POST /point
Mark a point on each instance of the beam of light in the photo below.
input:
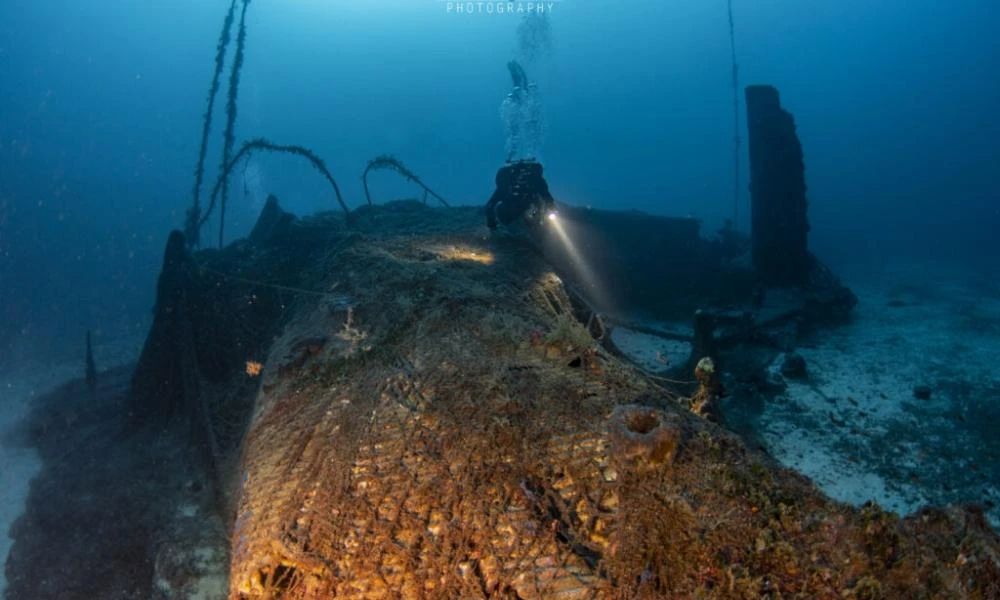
(581, 269)
(466, 254)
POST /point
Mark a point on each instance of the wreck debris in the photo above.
(703, 340)
(777, 190)
(457, 458)
(644, 436)
(793, 366)
(387, 161)
(705, 400)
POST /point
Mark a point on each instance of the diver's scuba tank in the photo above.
(522, 196)
(524, 187)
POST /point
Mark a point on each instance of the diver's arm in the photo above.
(542, 187)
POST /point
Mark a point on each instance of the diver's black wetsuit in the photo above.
(519, 186)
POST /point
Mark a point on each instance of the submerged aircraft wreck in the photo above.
(395, 404)
(446, 414)
(390, 402)
(441, 416)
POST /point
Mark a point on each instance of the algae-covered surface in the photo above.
(446, 421)
(404, 405)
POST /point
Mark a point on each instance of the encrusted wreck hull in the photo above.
(443, 421)
(444, 436)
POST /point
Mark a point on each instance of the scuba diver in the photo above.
(521, 189)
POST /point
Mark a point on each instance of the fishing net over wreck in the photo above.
(405, 407)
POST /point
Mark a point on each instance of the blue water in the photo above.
(897, 104)
(101, 105)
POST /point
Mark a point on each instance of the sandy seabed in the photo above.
(17, 464)
(854, 423)
(20, 386)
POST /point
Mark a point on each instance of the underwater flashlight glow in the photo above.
(567, 237)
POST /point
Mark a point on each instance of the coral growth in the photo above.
(192, 223)
(386, 161)
(644, 437)
(260, 144)
(705, 400)
(453, 459)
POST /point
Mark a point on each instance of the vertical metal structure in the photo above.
(736, 119)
